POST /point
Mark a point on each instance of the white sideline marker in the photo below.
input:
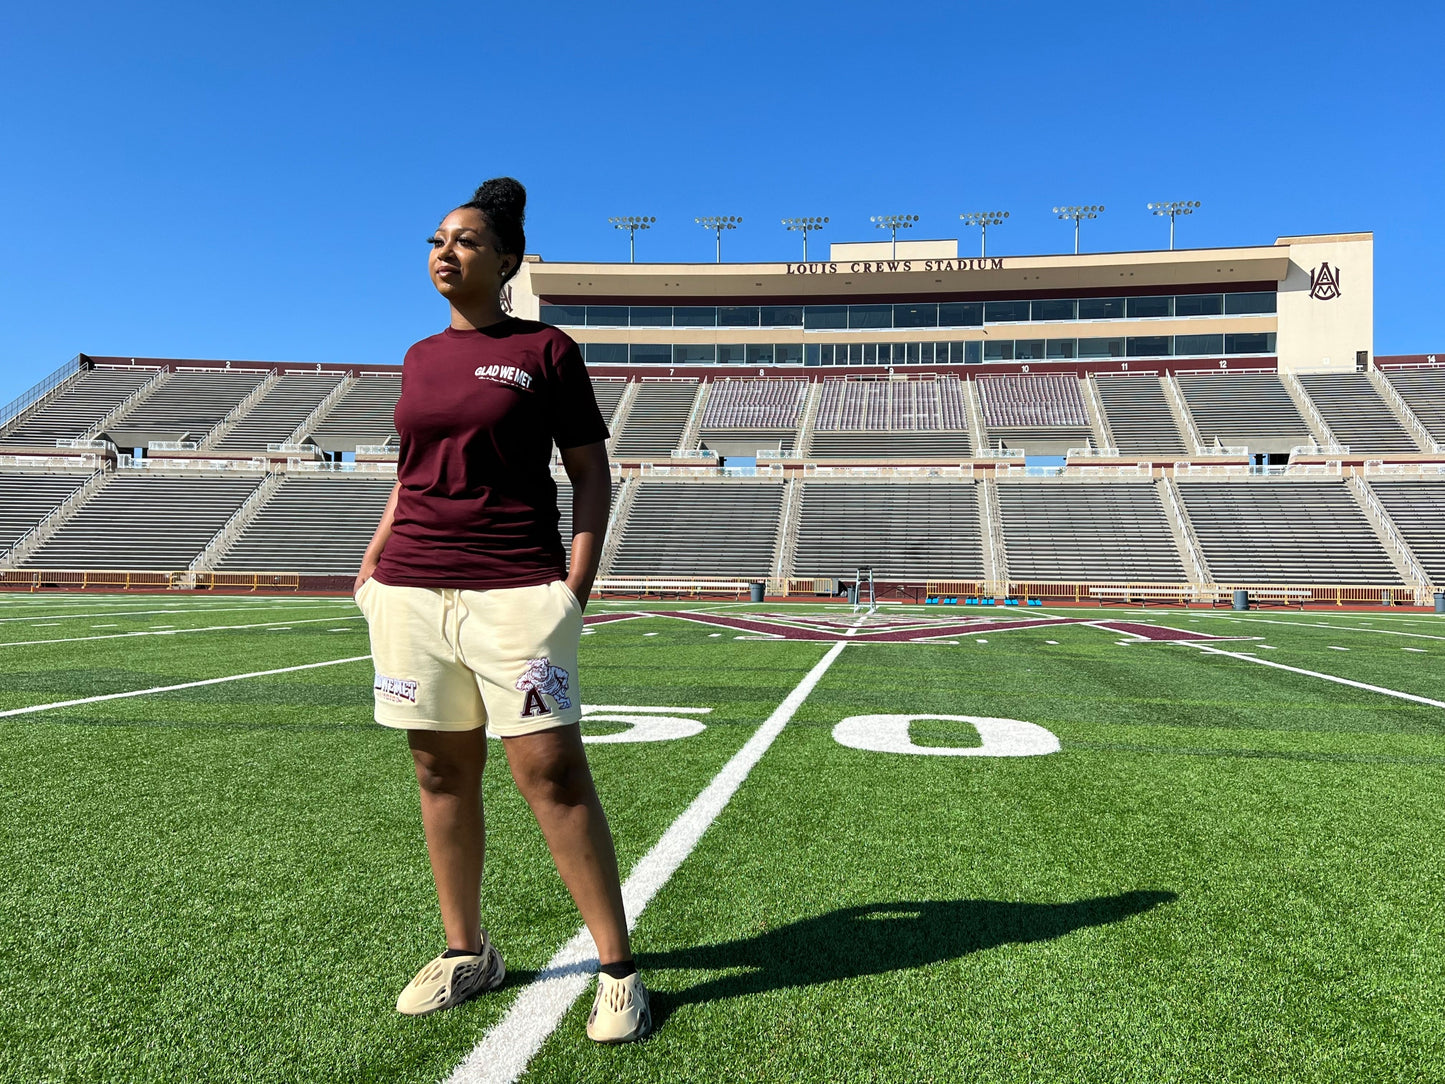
(504, 1052)
(168, 632)
(182, 685)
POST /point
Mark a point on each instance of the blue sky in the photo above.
(256, 181)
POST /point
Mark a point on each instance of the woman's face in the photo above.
(465, 264)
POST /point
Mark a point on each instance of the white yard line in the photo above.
(182, 685)
(504, 1052)
(177, 610)
(1316, 674)
(1318, 625)
(173, 631)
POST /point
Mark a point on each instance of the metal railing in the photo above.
(237, 412)
(124, 406)
(312, 466)
(53, 520)
(1184, 528)
(33, 395)
(1403, 411)
(1182, 416)
(224, 538)
(1380, 517)
(312, 420)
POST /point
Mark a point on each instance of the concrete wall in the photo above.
(1327, 302)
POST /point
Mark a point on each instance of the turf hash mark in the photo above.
(502, 1056)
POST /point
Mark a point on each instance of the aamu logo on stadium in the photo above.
(1325, 283)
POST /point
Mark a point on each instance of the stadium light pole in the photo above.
(1078, 214)
(983, 220)
(632, 223)
(1172, 209)
(805, 226)
(718, 223)
(893, 223)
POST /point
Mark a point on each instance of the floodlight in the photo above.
(632, 223)
(805, 226)
(1078, 214)
(1174, 208)
(983, 220)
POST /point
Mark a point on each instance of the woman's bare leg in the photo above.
(449, 769)
(551, 771)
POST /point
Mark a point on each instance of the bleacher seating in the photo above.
(76, 407)
(709, 529)
(609, 394)
(138, 521)
(1355, 413)
(1284, 532)
(280, 411)
(1251, 410)
(657, 419)
(26, 499)
(1417, 509)
(1139, 417)
(1424, 393)
(362, 416)
(186, 406)
(314, 525)
(1058, 531)
(902, 530)
(743, 416)
(881, 418)
(1045, 413)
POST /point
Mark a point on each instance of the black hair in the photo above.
(504, 201)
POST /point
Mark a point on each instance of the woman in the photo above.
(475, 619)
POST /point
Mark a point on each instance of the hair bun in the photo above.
(503, 196)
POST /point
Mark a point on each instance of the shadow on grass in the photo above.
(881, 937)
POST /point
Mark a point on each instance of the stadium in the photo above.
(1001, 669)
(1151, 427)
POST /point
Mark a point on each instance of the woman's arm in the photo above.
(378, 540)
(591, 477)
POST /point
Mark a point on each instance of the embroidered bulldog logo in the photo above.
(1325, 283)
(540, 678)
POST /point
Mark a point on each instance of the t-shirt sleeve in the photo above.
(576, 419)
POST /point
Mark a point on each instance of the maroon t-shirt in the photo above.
(478, 414)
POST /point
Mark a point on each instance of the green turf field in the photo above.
(1228, 871)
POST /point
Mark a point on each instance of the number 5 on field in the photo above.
(998, 737)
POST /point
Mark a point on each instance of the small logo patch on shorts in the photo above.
(395, 690)
(542, 677)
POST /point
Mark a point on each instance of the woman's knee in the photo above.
(558, 780)
(448, 770)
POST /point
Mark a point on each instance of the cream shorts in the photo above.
(449, 659)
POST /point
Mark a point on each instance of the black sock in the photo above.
(619, 970)
(449, 953)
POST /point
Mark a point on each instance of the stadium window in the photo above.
(759, 353)
(825, 352)
(1059, 348)
(789, 354)
(1141, 308)
(812, 354)
(693, 353)
(782, 316)
(913, 352)
(972, 352)
(1198, 344)
(1150, 346)
(694, 316)
(1242, 304)
(998, 350)
(650, 354)
(605, 353)
(1028, 350)
(606, 315)
(822, 317)
(960, 314)
(1198, 304)
(1101, 348)
(737, 316)
(915, 315)
(870, 316)
(563, 315)
(651, 316)
(1054, 310)
(1005, 312)
(732, 353)
(1249, 343)
(1101, 308)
